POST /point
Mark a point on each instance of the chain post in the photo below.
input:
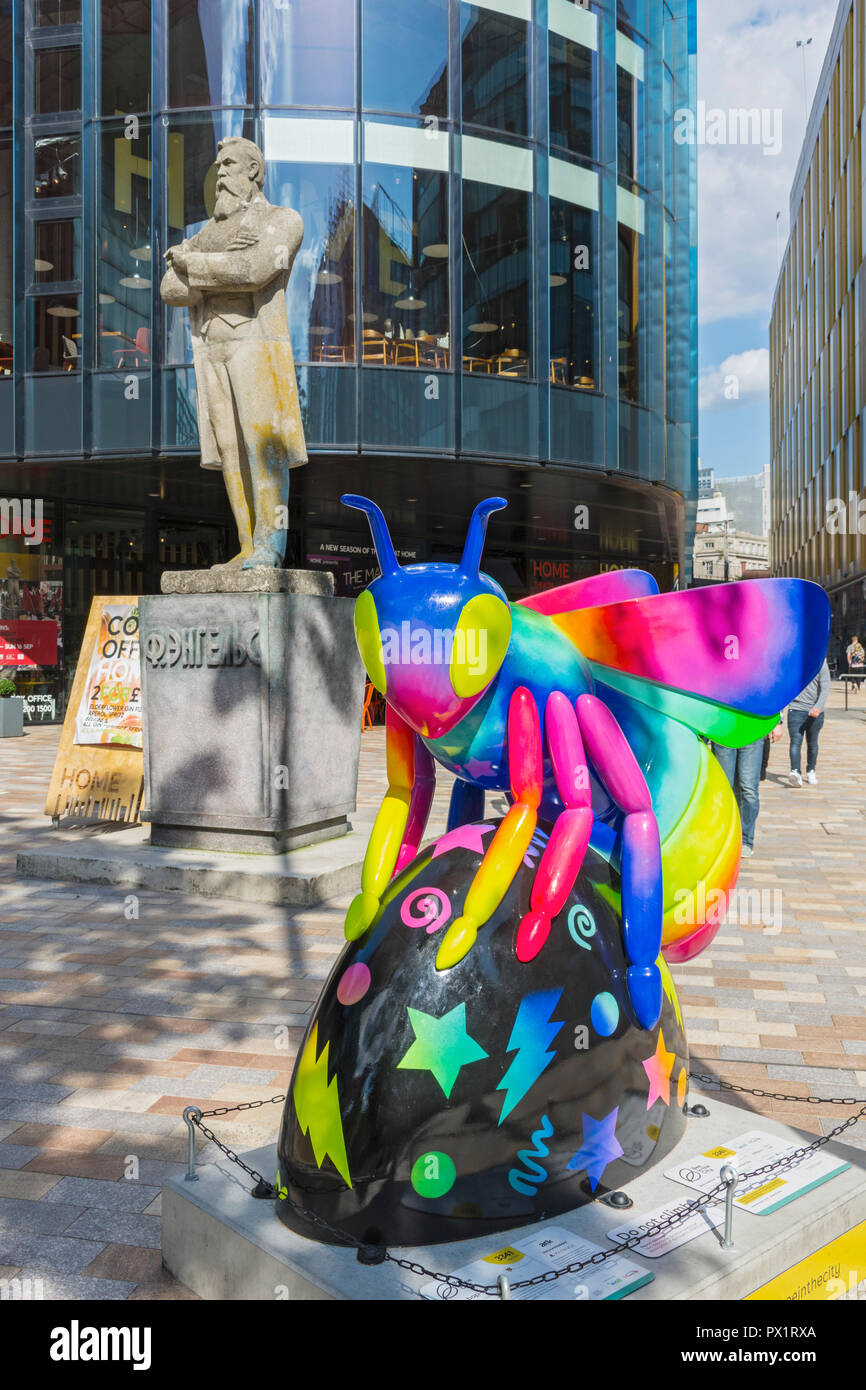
(191, 1116)
(503, 1286)
(730, 1177)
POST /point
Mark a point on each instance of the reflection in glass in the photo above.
(405, 268)
(5, 62)
(632, 14)
(58, 250)
(573, 296)
(54, 332)
(125, 40)
(52, 12)
(210, 53)
(573, 96)
(630, 127)
(631, 364)
(308, 52)
(497, 323)
(495, 58)
(57, 79)
(404, 53)
(124, 271)
(190, 195)
(6, 289)
(321, 291)
(57, 166)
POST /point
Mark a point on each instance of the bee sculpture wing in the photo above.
(749, 646)
(720, 662)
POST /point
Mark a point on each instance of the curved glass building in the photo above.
(496, 291)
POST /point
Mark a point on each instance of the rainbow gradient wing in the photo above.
(749, 646)
(718, 662)
(598, 589)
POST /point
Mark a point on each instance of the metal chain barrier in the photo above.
(503, 1288)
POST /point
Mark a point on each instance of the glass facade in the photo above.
(499, 258)
(817, 330)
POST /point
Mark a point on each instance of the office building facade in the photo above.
(817, 342)
(496, 291)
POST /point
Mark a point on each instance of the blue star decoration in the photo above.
(442, 1046)
(599, 1148)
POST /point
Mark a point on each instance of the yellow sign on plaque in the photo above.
(103, 777)
(834, 1270)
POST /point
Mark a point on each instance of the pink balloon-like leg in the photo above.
(566, 849)
(641, 865)
(423, 788)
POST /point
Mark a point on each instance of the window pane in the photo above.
(631, 124)
(495, 55)
(321, 295)
(404, 51)
(573, 295)
(58, 250)
(405, 267)
(573, 95)
(497, 323)
(125, 240)
(632, 358)
(6, 291)
(125, 56)
(50, 12)
(210, 53)
(58, 79)
(5, 62)
(191, 175)
(55, 333)
(57, 166)
(308, 52)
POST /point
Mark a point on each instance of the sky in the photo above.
(747, 58)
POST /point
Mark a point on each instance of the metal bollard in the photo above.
(504, 1286)
(730, 1177)
(191, 1175)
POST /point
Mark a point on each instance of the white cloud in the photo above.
(747, 58)
(744, 376)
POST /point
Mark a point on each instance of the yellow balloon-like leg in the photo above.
(389, 829)
(490, 884)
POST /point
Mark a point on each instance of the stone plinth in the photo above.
(260, 580)
(253, 706)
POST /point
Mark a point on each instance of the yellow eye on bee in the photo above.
(369, 639)
(480, 642)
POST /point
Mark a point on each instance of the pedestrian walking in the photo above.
(744, 769)
(856, 655)
(806, 717)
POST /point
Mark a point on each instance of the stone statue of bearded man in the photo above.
(232, 276)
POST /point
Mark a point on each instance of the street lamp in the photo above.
(803, 44)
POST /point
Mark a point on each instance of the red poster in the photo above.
(28, 642)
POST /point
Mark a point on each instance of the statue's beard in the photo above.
(232, 199)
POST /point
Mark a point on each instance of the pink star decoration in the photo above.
(658, 1068)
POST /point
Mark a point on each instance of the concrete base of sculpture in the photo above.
(225, 1244)
(253, 692)
(126, 859)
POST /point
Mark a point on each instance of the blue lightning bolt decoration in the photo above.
(531, 1036)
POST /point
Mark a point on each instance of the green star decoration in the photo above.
(442, 1046)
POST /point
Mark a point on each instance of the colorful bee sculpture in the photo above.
(587, 705)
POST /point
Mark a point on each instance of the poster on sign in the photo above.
(109, 711)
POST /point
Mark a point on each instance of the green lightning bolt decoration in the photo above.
(317, 1106)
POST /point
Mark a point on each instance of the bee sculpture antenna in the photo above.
(471, 560)
(379, 528)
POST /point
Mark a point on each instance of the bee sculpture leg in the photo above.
(641, 861)
(399, 818)
(466, 805)
(511, 841)
(423, 789)
(561, 861)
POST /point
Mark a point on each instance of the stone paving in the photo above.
(116, 1011)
